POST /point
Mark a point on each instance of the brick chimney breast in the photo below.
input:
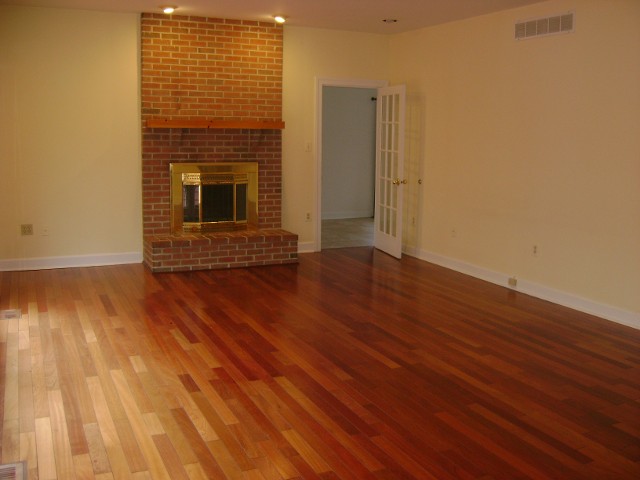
(194, 69)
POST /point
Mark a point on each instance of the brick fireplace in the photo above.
(212, 92)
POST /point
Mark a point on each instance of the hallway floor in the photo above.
(348, 232)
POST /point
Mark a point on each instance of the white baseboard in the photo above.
(615, 314)
(47, 263)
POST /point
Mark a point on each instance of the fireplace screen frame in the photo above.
(219, 173)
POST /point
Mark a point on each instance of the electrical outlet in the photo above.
(26, 229)
(44, 232)
(535, 251)
(307, 217)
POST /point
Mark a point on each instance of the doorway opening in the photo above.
(346, 162)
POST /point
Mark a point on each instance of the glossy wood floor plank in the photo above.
(349, 365)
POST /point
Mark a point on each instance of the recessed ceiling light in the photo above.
(168, 10)
(279, 18)
(390, 20)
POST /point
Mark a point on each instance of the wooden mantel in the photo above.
(215, 124)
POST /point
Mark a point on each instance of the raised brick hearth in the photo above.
(196, 68)
(196, 251)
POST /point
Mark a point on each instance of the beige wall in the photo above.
(310, 54)
(533, 142)
(69, 134)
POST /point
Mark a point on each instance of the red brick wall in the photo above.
(194, 67)
(210, 69)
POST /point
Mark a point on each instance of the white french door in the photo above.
(390, 113)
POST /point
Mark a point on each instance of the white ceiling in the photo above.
(355, 15)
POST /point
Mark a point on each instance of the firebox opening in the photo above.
(213, 196)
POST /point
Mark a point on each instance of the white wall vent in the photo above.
(543, 26)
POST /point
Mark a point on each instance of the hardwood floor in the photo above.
(350, 365)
